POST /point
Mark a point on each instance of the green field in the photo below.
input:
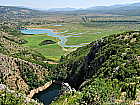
(94, 32)
(52, 51)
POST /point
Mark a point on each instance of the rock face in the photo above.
(89, 66)
(10, 73)
(21, 68)
(13, 72)
(2, 87)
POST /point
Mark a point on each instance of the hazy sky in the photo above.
(45, 4)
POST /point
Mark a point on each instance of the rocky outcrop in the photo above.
(89, 64)
(13, 72)
(10, 74)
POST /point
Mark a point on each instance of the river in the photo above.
(50, 32)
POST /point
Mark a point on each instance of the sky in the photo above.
(45, 4)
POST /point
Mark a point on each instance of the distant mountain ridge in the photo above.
(61, 9)
(23, 12)
(125, 9)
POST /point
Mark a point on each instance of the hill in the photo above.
(18, 12)
(102, 71)
(107, 71)
(21, 68)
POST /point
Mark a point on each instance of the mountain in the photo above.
(21, 68)
(106, 7)
(61, 9)
(98, 73)
(23, 12)
(18, 12)
(126, 9)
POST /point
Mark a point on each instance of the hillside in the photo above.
(11, 12)
(21, 68)
(103, 71)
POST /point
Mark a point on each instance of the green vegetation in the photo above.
(94, 28)
(106, 71)
(10, 99)
(94, 31)
(103, 70)
(51, 51)
(14, 98)
(46, 42)
(27, 67)
(100, 91)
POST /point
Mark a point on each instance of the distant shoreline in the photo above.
(28, 27)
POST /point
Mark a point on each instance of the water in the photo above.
(51, 32)
(58, 25)
(38, 31)
(47, 96)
